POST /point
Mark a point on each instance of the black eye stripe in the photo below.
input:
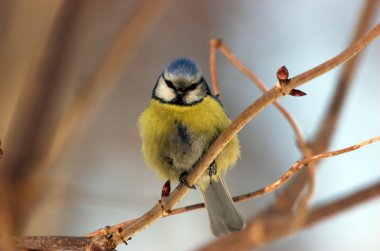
(195, 85)
(190, 88)
(169, 83)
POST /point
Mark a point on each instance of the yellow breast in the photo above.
(206, 118)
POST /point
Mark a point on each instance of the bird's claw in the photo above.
(212, 170)
(183, 180)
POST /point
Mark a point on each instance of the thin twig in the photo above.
(260, 230)
(292, 192)
(328, 125)
(219, 44)
(341, 58)
(237, 241)
(330, 121)
(285, 177)
(214, 76)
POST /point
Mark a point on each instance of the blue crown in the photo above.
(182, 67)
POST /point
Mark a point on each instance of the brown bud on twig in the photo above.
(297, 93)
(283, 78)
(283, 74)
(166, 189)
(165, 192)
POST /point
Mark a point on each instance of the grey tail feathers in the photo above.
(223, 215)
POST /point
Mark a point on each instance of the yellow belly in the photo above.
(204, 121)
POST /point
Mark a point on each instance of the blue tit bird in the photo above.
(182, 120)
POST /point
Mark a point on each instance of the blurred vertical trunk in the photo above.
(30, 125)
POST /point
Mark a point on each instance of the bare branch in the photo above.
(54, 243)
(214, 76)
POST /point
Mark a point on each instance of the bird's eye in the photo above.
(192, 87)
(169, 84)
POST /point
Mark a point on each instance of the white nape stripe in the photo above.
(187, 78)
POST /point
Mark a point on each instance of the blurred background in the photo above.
(75, 75)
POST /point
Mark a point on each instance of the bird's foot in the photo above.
(183, 180)
(212, 169)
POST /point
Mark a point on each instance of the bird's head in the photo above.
(181, 83)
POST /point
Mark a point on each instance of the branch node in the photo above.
(165, 212)
(119, 234)
(109, 236)
(283, 79)
(216, 42)
(281, 88)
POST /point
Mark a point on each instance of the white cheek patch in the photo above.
(194, 95)
(164, 92)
